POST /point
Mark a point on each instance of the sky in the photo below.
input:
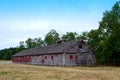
(21, 19)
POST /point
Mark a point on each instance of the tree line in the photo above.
(105, 40)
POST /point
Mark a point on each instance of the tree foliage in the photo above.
(51, 37)
(36, 42)
(110, 30)
(6, 54)
(106, 40)
(69, 36)
(83, 36)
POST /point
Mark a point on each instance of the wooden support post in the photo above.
(64, 59)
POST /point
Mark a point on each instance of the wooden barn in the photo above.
(71, 53)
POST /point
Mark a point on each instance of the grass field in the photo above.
(33, 72)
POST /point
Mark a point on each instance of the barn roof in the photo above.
(68, 47)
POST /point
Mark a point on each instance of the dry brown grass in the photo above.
(33, 72)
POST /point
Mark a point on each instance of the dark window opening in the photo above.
(52, 57)
(80, 46)
(45, 57)
(42, 61)
(71, 57)
(71, 47)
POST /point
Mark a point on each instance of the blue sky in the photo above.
(21, 19)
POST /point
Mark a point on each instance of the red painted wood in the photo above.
(42, 61)
(71, 57)
(52, 57)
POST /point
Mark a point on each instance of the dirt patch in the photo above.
(5, 62)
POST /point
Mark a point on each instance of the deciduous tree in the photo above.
(51, 37)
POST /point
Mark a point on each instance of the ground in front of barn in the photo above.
(10, 71)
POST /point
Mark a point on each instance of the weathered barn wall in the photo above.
(54, 59)
(70, 60)
(50, 59)
(85, 59)
(58, 59)
(22, 59)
